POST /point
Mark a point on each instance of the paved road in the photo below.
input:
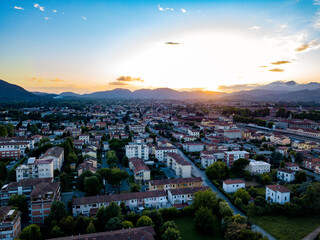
(198, 173)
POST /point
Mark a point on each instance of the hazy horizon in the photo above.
(88, 46)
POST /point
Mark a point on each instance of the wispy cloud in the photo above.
(83, 17)
(237, 87)
(36, 5)
(47, 18)
(56, 80)
(35, 79)
(316, 2)
(55, 11)
(314, 44)
(173, 43)
(115, 83)
(255, 28)
(129, 79)
(164, 9)
(263, 66)
(280, 62)
(276, 70)
(19, 8)
(183, 10)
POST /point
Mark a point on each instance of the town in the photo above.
(159, 169)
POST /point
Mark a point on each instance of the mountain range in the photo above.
(275, 91)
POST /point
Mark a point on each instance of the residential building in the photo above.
(286, 174)
(231, 156)
(85, 138)
(10, 223)
(258, 167)
(137, 150)
(88, 165)
(280, 139)
(136, 128)
(180, 166)
(174, 183)
(140, 169)
(41, 199)
(57, 154)
(232, 134)
(292, 166)
(155, 199)
(207, 161)
(138, 233)
(183, 195)
(35, 168)
(24, 186)
(277, 194)
(311, 163)
(194, 133)
(161, 153)
(231, 186)
(10, 150)
(193, 147)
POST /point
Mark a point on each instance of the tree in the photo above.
(171, 234)
(3, 131)
(117, 176)
(80, 180)
(112, 158)
(92, 185)
(225, 210)
(169, 224)
(266, 179)
(204, 220)
(127, 224)
(19, 201)
(72, 158)
(90, 228)
(135, 187)
(31, 232)
(156, 218)
(298, 157)
(276, 158)
(57, 212)
(12, 176)
(144, 221)
(10, 129)
(3, 171)
(282, 164)
(113, 224)
(55, 232)
(243, 195)
(113, 210)
(239, 166)
(80, 226)
(301, 176)
(217, 171)
(67, 225)
(205, 198)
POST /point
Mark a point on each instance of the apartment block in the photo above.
(181, 167)
(35, 168)
(10, 223)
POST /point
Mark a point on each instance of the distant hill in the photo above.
(12, 92)
(275, 91)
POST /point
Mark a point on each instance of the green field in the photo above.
(285, 228)
(188, 231)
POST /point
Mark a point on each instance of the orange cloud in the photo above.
(263, 66)
(117, 83)
(309, 45)
(129, 79)
(280, 62)
(173, 43)
(276, 70)
(56, 80)
(35, 79)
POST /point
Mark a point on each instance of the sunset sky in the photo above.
(85, 46)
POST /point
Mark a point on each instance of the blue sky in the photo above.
(85, 46)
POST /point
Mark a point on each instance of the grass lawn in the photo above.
(285, 228)
(189, 232)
